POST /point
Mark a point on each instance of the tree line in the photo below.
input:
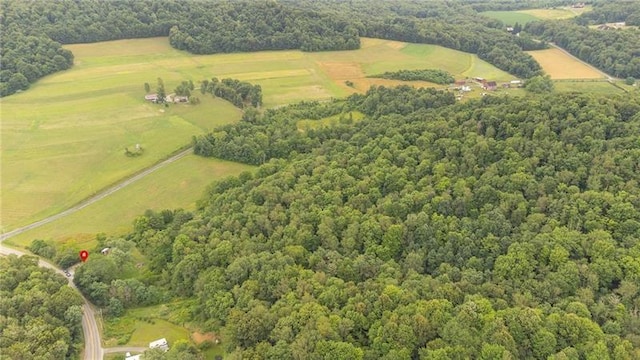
(495, 228)
(432, 75)
(227, 26)
(240, 93)
(40, 315)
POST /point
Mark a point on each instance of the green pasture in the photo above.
(64, 138)
(177, 185)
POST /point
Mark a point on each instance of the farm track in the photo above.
(92, 344)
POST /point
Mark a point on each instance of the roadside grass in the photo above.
(307, 124)
(64, 139)
(177, 185)
(559, 65)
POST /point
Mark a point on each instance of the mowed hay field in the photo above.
(177, 185)
(562, 66)
(64, 139)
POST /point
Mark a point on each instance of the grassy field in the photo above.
(64, 139)
(561, 66)
(525, 16)
(178, 185)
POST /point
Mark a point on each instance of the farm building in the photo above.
(491, 85)
(151, 97)
(159, 344)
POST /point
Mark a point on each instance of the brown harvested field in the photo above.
(561, 66)
(352, 71)
(342, 70)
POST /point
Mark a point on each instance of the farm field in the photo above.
(177, 185)
(510, 17)
(561, 66)
(525, 16)
(64, 139)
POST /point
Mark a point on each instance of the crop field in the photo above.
(562, 66)
(64, 139)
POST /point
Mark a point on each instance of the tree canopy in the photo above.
(40, 315)
(496, 228)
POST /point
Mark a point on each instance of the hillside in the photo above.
(500, 228)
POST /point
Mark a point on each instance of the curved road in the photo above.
(92, 345)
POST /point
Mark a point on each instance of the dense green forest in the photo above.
(497, 228)
(229, 26)
(100, 279)
(612, 11)
(433, 75)
(40, 315)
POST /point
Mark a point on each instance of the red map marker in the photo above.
(84, 255)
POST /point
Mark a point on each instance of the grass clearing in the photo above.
(526, 16)
(140, 326)
(562, 66)
(353, 116)
(64, 139)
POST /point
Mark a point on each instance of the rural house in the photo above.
(491, 85)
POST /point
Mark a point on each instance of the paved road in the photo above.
(609, 77)
(92, 345)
